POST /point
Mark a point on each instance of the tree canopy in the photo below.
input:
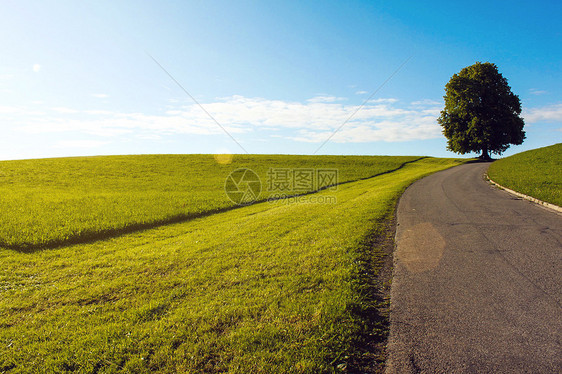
(481, 113)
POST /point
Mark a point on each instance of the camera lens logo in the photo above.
(242, 186)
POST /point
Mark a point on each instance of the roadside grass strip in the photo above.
(275, 287)
(536, 173)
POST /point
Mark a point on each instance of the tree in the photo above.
(481, 113)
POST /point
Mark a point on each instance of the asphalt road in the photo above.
(477, 280)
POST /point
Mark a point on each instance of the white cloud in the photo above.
(100, 95)
(80, 143)
(109, 124)
(388, 100)
(536, 92)
(550, 113)
(309, 121)
(98, 112)
(432, 112)
(36, 68)
(426, 102)
(64, 110)
(10, 109)
(383, 131)
(325, 99)
(361, 92)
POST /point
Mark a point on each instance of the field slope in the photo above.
(275, 287)
(50, 202)
(537, 173)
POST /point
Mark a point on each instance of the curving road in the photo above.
(477, 280)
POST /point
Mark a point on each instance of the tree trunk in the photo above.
(485, 155)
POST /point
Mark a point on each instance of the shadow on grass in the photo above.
(94, 236)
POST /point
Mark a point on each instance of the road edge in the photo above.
(541, 203)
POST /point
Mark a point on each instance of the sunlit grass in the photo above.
(268, 288)
(536, 173)
(48, 202)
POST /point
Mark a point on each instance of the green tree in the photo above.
(481, 113)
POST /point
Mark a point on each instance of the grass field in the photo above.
(49, 202)
(276, 287)
(535, 173)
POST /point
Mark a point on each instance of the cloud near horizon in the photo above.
(310, 121)
(549, 113)
(313, 120)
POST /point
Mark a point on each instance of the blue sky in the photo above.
(77, 78)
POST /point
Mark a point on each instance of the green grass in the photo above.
(536, 173)
(48, 202)
(268, 288)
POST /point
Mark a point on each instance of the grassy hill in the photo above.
(48, 202)
(278, 287)
(535, 173)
